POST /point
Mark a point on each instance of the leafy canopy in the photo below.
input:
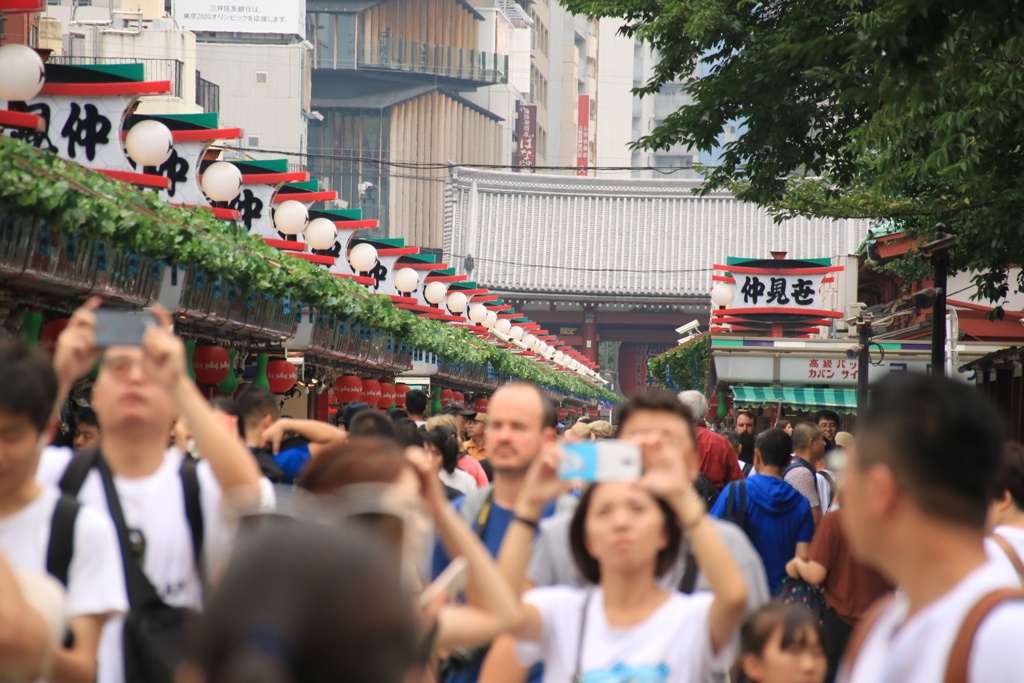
(904, 109)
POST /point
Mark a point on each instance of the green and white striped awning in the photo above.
(806, 398)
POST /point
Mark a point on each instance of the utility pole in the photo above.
(863, 359)
(938, 251)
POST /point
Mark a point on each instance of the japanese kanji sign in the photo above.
(583, 136)
(243, 16)
(527, 137)
(778, 291)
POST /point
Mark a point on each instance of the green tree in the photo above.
(904, 109)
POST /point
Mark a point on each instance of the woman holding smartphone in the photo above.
(624, 535)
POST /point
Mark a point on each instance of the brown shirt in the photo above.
(850, 586)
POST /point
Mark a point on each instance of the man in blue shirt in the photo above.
(266, 434)
(777, 517)
(522, 422)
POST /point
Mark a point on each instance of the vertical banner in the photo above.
(583, 136)
(527, 137)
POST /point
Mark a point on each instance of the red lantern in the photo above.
(387, 394)
(348, 388)
(459, 397)
(447, 396)
(561, 413)
(400, 391)
(371, 392)
(281, 376)
(48, 337)
(480, 405)
(213, 363)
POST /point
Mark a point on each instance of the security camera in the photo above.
(690, 326)
(852, 352)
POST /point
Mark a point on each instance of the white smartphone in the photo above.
(452, 582)
(608, 460)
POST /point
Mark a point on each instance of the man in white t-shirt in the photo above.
(915, 502)
(1006, 514)
(138, 394)
(92, 570)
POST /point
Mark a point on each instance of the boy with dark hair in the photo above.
(416, 406)
(828, 422)
(265, 432)
(776, 516)
(1006, 514)
(87, 429)
(916, 499)
(37, 526)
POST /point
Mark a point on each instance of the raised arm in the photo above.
(666, 476)
(492, 607)
(233, 466)
(321, 436)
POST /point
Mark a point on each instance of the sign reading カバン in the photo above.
(243, 16)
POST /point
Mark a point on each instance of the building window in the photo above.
(252, 140)
(262, 78)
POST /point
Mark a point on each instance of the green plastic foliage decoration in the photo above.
(190, 349)
(679, 364)
(230, 384)
(260, 380)
(31, 326)
(77, 200)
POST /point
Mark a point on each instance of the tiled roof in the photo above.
(619, 236)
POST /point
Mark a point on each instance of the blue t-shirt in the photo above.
(493, 534)
(292, 460)
(778, 517)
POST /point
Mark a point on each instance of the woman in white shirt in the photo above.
(623, 536)
(442, 445)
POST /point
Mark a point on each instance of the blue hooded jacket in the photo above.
(778, 517)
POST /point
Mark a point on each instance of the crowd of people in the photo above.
(182, 540)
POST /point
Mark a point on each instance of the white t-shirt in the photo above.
(95, 577)
(996, 554)
(916, 650)
(672, 646)
(155, 506)
(459, 480)
(824, 489)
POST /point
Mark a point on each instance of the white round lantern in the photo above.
(457, 302)
(560, 358)
(503, 326)
(290, 217)
(477, 313)
(407, 280)
(22, 73)
(149, 143)
(530, 341)
(517, 333)
(435, 292)
(222, 181)
(721, 294)
(490, 320)
(321, 233)
(363, 257)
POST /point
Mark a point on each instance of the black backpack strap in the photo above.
(78, 469)
(689, 580)
(193, 508)
(742, 514)
(62, 538)
(140, 589)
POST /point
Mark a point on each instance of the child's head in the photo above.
(26, 413)
(781, 643)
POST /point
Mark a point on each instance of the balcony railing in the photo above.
(155, 69)
(207, 94)
(436, 60)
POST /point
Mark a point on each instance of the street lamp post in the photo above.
(863, 360)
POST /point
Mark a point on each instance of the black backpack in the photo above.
(154, 632)
(706, 490)
(736, 504)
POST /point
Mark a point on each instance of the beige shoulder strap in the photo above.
(864, 626)
(1015, 560)
(960, 654)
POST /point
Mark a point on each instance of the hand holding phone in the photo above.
(122, 327)
(451, 582)
(609, 460)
